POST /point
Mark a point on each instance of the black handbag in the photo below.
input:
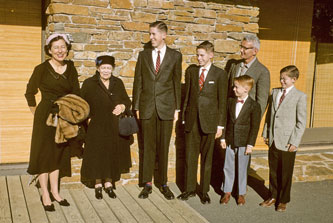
(127, 125)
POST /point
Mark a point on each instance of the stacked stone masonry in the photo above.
(120, 28)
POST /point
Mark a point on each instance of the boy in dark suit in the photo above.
(243, 121)
(283, 130)
(156, 100)
(204, 114)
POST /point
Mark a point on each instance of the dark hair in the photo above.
(160, 25)
(48, 46)
(206, 45)
(291, 71)
(245, 80)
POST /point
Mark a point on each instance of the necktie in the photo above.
(241, 101)
(158, 62)
(282, 97)
(243, 70)
(202, 79)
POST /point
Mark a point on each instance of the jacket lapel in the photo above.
(275, 93)
(252, 71)
(245, 108)
(233, 110)
(195, 78)
(149, 58)
(289, 96)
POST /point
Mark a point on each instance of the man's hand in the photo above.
(176, 116)
(292, 148)
(32, 109)
(218, 133)
(137, 114)
(223, 144)
(248, 150)
(266, 140)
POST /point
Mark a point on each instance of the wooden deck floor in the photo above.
(21, 203)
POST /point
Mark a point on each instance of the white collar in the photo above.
(162, 50)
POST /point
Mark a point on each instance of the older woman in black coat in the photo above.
(103, 157)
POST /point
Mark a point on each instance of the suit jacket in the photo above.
(261, 76)
(209, 103)
(161, 91)
(285, 124)
(243, 130)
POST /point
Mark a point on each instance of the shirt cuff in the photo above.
(250, 146)
(220, 127)
(222, 140)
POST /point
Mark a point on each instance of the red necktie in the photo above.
(202, 79)
(158, 62)
(282, 97)
(241, 101)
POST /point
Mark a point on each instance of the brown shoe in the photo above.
(225, 199)
(241, 200)
(268, 203)
(281, 207)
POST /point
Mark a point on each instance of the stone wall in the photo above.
(120, 28)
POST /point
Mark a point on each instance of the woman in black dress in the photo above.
(104, 156)
(55, 78)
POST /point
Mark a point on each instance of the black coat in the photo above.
(105, 155)
(209, 104)
(242, 131)
(45, 155)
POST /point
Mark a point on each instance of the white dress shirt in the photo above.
(239, 106)
(155, 54)
(206, 70)
(280, 94)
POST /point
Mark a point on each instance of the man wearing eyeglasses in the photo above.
(250, 65)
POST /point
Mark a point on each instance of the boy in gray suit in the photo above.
(284, 127)
(243, 120)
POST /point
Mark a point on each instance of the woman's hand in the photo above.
(119, 109)
(32, 109)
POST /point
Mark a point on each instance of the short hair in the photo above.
(160, 25)
(206, 45)
(245, 80)
(291, 71)
(253, 39)
(48, 46)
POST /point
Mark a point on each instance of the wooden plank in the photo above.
(119, 209)
(5, 212)
(134, 208)
(71, 212)
(86, 209)
(17, 200)
(162, 204)
(146, 204)
(185, 210)
(32, 197)
(101, 207)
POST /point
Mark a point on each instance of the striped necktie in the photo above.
(202, 79)
(158, 62)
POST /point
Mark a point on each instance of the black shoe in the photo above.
(63, 202)
(145, 192)
(110, 192)
(165, 190)
(204, 198)
(98, 193)
(47, 207)
(186, 195)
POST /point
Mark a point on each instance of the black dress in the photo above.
(106, 154)
(45, 155)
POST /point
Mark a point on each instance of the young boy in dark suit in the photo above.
(204, 114)
(283, 130)
(243, 121)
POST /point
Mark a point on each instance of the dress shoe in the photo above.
(204, 198)
(145, 192)
(63, 202)
(98, 193)
(47, 207)
(268, 203)
(225, 199)
(241, 200)
(165, 190)
(110, 192)
(281, 207)
(186, 195)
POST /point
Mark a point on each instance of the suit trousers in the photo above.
(281, 166)
(235, 159)
(156, 135)
(197, 143)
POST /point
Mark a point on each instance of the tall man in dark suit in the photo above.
(204, 114)
(156, 100)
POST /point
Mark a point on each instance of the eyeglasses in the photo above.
(245, 48)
